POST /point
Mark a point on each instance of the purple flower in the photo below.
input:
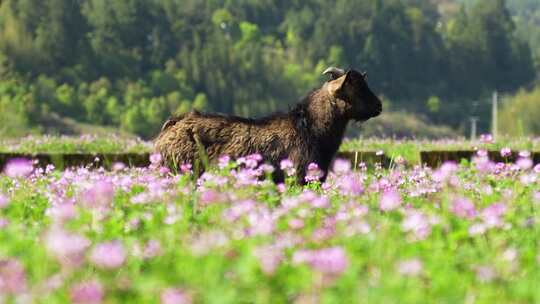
(390, 200)
(19, 167)
(506, 152)
(175, 296)
(108, 255)
(87, 293)
(12, 277)
(537, 168)
(412, 267)
(463, 208)
(328, 260)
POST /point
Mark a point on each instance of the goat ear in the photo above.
(334, 86)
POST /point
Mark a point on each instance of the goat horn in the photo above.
(334, 72)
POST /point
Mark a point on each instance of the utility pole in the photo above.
(494, 115)
(474, 120)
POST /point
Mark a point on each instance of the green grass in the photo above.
(69, 144)
(408, 149)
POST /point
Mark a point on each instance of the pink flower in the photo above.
(185, 168)
(313, 173)
(524, 163)
(486, 138)
(12, 277)
(483, 164)
(62, 212)
(223, 161)
(477, 229)
(209, 197)
(445, 171)
(417, 223)
(100, 195)
(68, 248)
(492, 214)
(485, 273)
(3, 223)
(482, 153)
(4, 201)
(108, 255)
(87, 293)
(390, 200)
(412, 267)
(287, 166)
(328, 260)
(296, 223)
(269, 257)
(463, 208)
(524, 154)
(320, 202)
(155, 158)
(537, 168)
(342, 166)
(350, 184)
(175, 296)
(19, 167)
(152, 249)
(506, 152)
(536, 196)
(118, 166)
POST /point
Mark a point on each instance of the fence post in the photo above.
(494, 115)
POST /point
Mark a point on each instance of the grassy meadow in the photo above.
(465, 233)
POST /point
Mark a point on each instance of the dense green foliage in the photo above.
(132, 63)
(519, 116)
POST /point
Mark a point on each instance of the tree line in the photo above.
(132, 63)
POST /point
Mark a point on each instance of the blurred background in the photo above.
(123, 67)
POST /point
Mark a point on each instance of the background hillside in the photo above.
(128, 65)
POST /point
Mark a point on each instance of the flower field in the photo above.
(467, 233)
